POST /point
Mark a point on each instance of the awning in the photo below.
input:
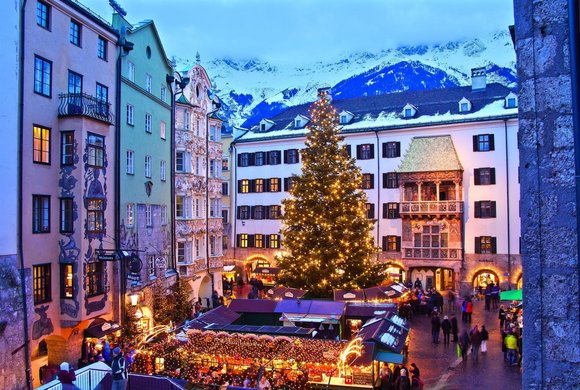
(266, 270)
(511, 295)
(100, 328)
(389, 357)
(317, 318)
(229, 268)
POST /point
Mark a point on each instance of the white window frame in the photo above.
(148, 123)
(130, 170)
(148, 215)
(163, 130)
(186, 120)
(130, 214)
(148, 82)
(163, 215)
(130, 115)
(148, 166)
(163, 93)
(163, 170)
(131, 71)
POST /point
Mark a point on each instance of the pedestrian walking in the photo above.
(511, 343)
(469, 310)
(446, 328)
(475, 337)
(403, 382)
(386, 378)
(464, 311)
(118, 366)
(484, 338)
(501, 316)
(464, 345)
(454, 328)
(435, 328)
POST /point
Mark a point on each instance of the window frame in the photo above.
(368, 181)
(78, 32)
(41, 144)
(94, 281)
(131, 71)
(225, 188)
(102, 49)
(42, 81)
(66, 215)
(40, 224)
(244, 240)
(42, 283)
(130, 113)
(67, 149)
(130, 162)
(148, 215)
(148, 125)
(244, 186)
(130, 214)
(67, 281)
(148, 82)
(163, 170)
(391, 149)
(365, 152)
(484, 142)
(163, 130)
(95, 215)
(98, 160)
(274, 185)
(391, 210)
(44, 21)
(148, 162)
(179, 153)
(391, 180)
(274, 241)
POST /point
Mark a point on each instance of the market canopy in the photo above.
(100, 328)
(220, 315)
(369, 310)
(348, 295)
(511, 295)
(265, 329)
(281, 292)
(310, 307)
(252, 305)
(389, 332)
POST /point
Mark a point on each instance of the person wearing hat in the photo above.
(403, 382)
(119, 369)
(66, 376)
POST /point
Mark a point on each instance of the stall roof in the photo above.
(253, 305)
(267, 270)
(376, 293)
(266, 329)
(281, 292)
(390, 332)
(369, 310)
(220, 315)
(349, 295)
(100, 328)
(368, 355)
(310, 307)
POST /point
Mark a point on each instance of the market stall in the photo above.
(266, 274)
(281, 292)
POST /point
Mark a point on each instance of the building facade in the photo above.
(68, 165)
(145, 162)
(198, 187)
(440, 170)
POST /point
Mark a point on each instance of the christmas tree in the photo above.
(326, 231)
(183, 305)
(162, 306)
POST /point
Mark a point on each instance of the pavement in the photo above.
(442, 370)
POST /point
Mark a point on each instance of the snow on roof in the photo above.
(429, 154)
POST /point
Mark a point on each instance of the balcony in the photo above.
(81, 104)
(450, 207)
(431, 253)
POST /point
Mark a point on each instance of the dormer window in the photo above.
(300, 121)
(345, 117)
(409, 111)
(464, 105)
(511, 100)
(263, 127)
(297, 123)
(266, 124)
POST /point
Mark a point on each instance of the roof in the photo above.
(220, 315)
(281, 292)
(298, 306)
(429, 154)
(388, 333)
(383, 112)
(148, 22)
(86, 11)
(253, 305)
(183, 100)
(267, 270)
(267, 329)
(369, 310)
(348, 295)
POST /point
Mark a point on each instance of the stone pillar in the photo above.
(419, 191)
(549, 233)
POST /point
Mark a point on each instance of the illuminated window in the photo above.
(259, 241)
(368, 181)
(41, 145)
(94, 279)
(485, 245)
(244, 186)
(259, 185)
(96, 150)
(391, 243)
(41, 283)
(275, 184)
(179, 206)
(274, 241)
(95, 215)
(391, 210)
(275, 212)
(130, 215)
(243, 240)
(66, 280)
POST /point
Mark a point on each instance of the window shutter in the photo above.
(398, 243)
(385, 210)
(397, 211)
(477, 209)
(286, 184)
(477, 245)
(475, 144)
(239, 159)
(494, 245)
(252, 210)
(476, 176)
(397, 179)
(384, 180)
(491, 142)
(266, 240)
(285, 157)
(372, 180)
(493, 209)
(253, 185)
(492, 175)
(266, 158)
(298, 153)
(251, 241)
(384, 149)
(358, 151)
(384, 243)
(265, 212)
(373, 151)
(398, 151)
(238, 240)
(372, 211)
(348, 150)
(279, 182)
(239, 212)
(239, 186)
(279, 153)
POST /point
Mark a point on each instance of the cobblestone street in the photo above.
(442, 370)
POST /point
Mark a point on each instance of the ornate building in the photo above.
(198, 187)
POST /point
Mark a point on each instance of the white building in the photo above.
(440, 169)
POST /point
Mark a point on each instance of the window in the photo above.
(274, 157)
(43, 14)
(66, 215)
(96, 150)
(274, 241)
(485, 209)
(365, 152)
(244, 159)
(42, 76)
(225, 216)
(163, 170)
(75, 33)
(368, 181)
(179, 203)
(66, 281)
(391, 210)
(102, 48)
(291, 156)
(181, 252)
(243, 240)
(408, 113)
(148, 166)
(212, 133)
(391, 243)
(370, 207)
(259, 241)
(94, 279)
(244, 186)
(130, 214)
(212, 168)
(162, 130)
(163, 93)
(486, 245)
(67, 147)
(288, 182)
(40, 214)
(260, 158)
(390, 180)
(148, 123)
(464, 107)
(41, 283)
(511, 102)
(243, 212)
(258, 212)
(197, 165)
(130, 71)
(163, 215)
(214, 207)
(151, 265)
(391, 149)
(75, 86)
(197, 213)
(259, 185)
(483, 143)
(130, 162)
(130, 120)
(197, 248)
(275, 184)
(41, 145)
(343, 119)
(225, 188)
(102, 95)
(212, 245)
(179, 161)
(225, 164)
(95, 215)
(148, 215)
(484, 176)
(148, 80)
(275, 212)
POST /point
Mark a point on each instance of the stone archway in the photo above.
(484, 277)
(204, 291)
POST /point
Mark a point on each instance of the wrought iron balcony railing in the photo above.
(81, 104)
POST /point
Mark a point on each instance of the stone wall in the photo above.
(548, 206)
(12, 364)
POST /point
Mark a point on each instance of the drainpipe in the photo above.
(379, 193)
(234, 190)
(122, 281)
(507, 183)
(20, 253)
(172, 260)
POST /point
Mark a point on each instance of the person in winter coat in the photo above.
(403, 382)
(454, 328)
(484, 338)
(464, 311)
(66, 375)
(435, 328)
(386, 378)
(464, 342)
(446, 327)
(469, 310)
(501, 316)
(119, 369)
(415, 370)
(475, 337)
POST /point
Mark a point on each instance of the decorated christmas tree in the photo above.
(327, 235)
(162, 306)
(183, 305)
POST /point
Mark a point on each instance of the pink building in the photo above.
(68, 176)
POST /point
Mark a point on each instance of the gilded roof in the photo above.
(430, 154)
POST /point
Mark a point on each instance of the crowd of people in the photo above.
(398, 377)
(511, 325)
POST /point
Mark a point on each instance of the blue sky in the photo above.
(285, 31)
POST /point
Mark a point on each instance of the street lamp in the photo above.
(216, 105)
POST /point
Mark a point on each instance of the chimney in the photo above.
(478, 79)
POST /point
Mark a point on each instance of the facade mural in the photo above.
(43, 326)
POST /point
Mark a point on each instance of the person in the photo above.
(464, 344)
(264, 383)
(475, 337)
(454, 328)
(435, 328)
(66, 376)
(446, 327)
(119, 370)
(386, 378)
(511, 343)
(403, 382)
(416, 383)
(451, 301)
(415, 370)
(464, 311)
(484, 338)
(469, 310)
(501, 316)
(418, 284)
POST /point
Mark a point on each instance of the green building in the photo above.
(145, 160)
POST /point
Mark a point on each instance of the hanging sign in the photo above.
(135, 266)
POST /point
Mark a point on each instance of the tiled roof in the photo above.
(428, 154)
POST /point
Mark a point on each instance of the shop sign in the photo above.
(135, 266)
(106, 326)
(288, 294)
(101, 256)
(265, 271)
(349, 296)
(486, 260)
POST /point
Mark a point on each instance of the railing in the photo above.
(432, 253)
(87, 378)
(196, 266)
(435, 207)
(148, 382)
(81, 104)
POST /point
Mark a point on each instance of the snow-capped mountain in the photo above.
(253, 89)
